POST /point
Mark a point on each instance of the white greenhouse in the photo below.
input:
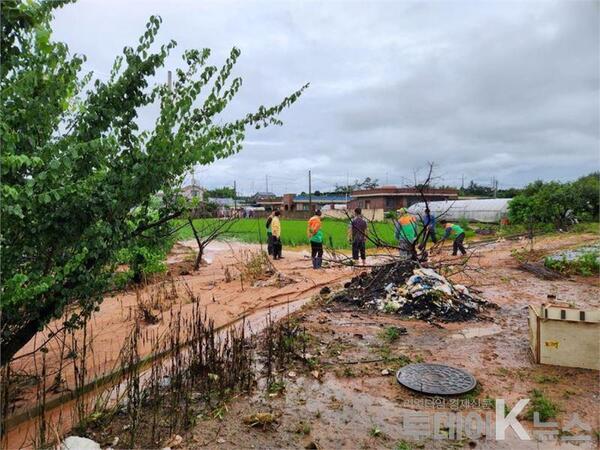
(490, 210)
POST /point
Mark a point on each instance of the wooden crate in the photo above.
(561, 335)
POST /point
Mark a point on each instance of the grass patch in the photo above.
(276, 387)
(348, 372)
(546, 379)
(390, 334)
(586, 227)
(302, 428)
(336, 348)
(541, 404)
(391, 359)
(472, 395)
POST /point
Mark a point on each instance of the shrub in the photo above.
(542, 405)
(558, 203)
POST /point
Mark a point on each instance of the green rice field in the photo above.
(293, 232)
(335, 231)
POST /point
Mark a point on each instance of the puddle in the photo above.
(469, 333)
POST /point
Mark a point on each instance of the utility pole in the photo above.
(309, 192)
(234, 195)
(170, 80)
(347, 185)
(462, 183)
(266, 183)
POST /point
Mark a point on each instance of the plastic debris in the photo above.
(401, 288)
(79, 443)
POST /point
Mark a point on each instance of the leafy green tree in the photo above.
(476, 190)
(223, 192)
(557, 203)
(587, 195)
(78, 174)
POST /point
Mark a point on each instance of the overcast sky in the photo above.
(483, 88)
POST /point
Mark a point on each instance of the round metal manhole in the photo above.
(436, 379)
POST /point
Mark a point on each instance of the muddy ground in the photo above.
(216, 287)
(348, 403)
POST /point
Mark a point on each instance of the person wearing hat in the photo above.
(315, 237)
(405, 233)
(429, 224)
(459, 236)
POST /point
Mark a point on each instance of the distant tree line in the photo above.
(367, 183)
(478, 190)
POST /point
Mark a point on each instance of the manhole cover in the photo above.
(435, 379)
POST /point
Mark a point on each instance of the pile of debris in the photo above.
(408, 290)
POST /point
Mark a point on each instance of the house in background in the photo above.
(292, 202)
(260, 196)
(192, 191)
(389, 198)
(266, 200)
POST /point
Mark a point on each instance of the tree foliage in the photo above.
(223, 192)
(78, 173)
(478, 190)
(557, 203)
(367, 183)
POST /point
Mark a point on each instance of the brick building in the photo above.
(391, 198)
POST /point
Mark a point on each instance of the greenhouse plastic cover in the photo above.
(477, 210)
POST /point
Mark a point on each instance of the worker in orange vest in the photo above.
(406, 232)
(315, 237)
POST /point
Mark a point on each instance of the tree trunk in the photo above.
(200, 245)
(199, 257)
(18, 341)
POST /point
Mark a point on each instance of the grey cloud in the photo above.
(482, 88)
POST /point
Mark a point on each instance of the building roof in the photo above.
(264, 194)
(386, 191)
(269, 201)
(328, 198)
(192, 188)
